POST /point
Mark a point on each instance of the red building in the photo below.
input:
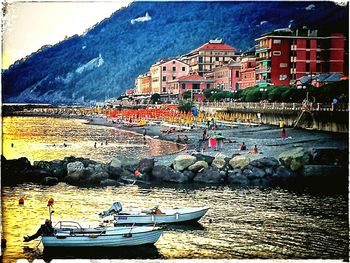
(193, 83)
(285, 55)
(248, 76)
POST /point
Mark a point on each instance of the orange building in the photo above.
(248, 77)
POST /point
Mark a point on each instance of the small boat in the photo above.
(71, 234)
(155, 215)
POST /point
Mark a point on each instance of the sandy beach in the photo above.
(267, 138)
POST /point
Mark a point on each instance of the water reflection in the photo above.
(40, 138)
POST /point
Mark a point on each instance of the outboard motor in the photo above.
(115, 209)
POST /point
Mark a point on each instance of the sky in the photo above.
(27, 26)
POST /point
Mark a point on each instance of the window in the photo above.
(216, 58)
(307, 67)
(174, 69)
(183, 69)
(277, 41)
(308, 43)
(195, 86)
(174, 77)
(164, 89)
(283, 77)
(173, 61)
(318, 55)
(164, 68)
(276, 53)
(283, 65)
(237, 73)
(307, 55)
(208, 86)
(183, 85)
(200, 59)
(164, 78)
(318, 67)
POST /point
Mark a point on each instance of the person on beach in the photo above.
(11, 145)
(44, 230)
(254, 150)
(186, 138)
(144, 133)
(64, 144)
(283, 134)
(178, 139)
(95, 145)
(243, 147)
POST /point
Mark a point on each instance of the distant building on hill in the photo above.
(164, 71)
(205, 58)
(285, 55)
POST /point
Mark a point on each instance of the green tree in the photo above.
(185, 105)
(155, 98)
(186, 95)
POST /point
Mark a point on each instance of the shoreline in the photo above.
(266, 137)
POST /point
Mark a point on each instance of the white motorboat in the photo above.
(71, 234)
(155, 215)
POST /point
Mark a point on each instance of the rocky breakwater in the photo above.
(246, 170)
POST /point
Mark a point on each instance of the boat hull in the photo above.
(113, 240)
(175, 217)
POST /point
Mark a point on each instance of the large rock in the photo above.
(237, 178)
(265, 162)
(115, 172)
(329, 156)
(294, 159)
(239, 161)
(282, 172)
(146, 165)
(58, 169)
(166, 174)
(74, 167)
(219, 163)
(116, 163)
(190, 175)
(201, 157)
(197, 166)
(49, 181)
(159, 171)
(181, 162)
(175, 177)
(35, 175)
(252, 172)
(210, 175)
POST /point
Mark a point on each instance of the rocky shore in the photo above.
(198, 168)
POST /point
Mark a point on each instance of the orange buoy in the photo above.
(50, 202)
(21, 201)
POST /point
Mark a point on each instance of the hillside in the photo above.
(105, 60)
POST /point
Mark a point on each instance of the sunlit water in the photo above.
(242, 223)
(39, 138)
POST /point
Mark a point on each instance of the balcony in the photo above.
(263, 70)
(264, 59)
(259, 49)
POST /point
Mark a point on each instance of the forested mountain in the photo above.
(105, 60)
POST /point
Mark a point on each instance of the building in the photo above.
(213, 54)
(164, 71)
(192, 83)
(285, 55)
(248, 73)
(227, 77)
(144, 84)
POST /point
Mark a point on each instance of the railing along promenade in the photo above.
(275, 106)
